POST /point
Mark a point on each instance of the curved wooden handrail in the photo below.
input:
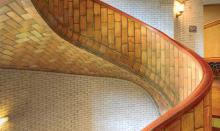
(176, 43)
(189, 102)
(195, 97)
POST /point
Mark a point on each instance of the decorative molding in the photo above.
(211, 24)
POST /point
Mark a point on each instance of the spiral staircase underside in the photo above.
(27, 42)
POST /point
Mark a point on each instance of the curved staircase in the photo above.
(181, 77)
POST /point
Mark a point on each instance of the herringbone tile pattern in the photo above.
(27, 42)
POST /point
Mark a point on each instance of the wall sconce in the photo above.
(179, 8)
(3, 120)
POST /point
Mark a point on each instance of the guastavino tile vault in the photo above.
(28, 43)
(84, 65)
(31, 44)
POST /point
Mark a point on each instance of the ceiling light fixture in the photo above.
(179, 8)
(3, 120)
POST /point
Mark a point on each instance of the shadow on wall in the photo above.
(52, 101)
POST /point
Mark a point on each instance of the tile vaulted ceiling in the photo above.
(26, 42)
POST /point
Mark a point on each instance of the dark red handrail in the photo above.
(196, 96)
